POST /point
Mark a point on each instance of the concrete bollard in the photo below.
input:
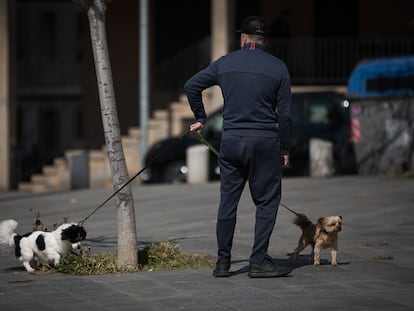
(198, 164)
(321, 158)
(79, 170)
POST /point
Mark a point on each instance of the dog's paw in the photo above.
(28, 267)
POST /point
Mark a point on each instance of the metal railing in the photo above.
(311, 61)
(172, 73)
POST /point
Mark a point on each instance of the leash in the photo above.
(205, 142)
(136, 175)
(289, 209)
(200, 138)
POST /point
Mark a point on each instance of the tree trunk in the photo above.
(127, 236)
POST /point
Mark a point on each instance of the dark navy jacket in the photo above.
(256, 91)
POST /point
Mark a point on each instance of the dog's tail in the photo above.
(7, 232)
(302, 221)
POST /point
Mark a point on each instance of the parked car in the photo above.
(322, 115)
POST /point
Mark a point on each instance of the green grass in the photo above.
(155, 257)
(407, 175)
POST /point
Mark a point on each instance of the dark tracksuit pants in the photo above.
(257, 160)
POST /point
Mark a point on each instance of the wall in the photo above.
(387, 135)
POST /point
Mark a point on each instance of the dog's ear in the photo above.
(317, 231)
(82, 233)
(64, 236)
(321, 222)
(74, 233)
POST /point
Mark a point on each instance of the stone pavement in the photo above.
(376, 250)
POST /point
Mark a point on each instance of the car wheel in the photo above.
(175, 172)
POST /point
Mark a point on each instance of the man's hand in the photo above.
(196, 126)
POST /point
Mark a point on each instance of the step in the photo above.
(52, 175)
(134, 132)
(129, 142)
(60, 163)
(74, 152)
(183, 99)
(37, 188)
(49, 170)
(99, 170)
(160, 114)
(157, 130)
(39, 183)
(179, 108)
(38, 178)
(24, 187)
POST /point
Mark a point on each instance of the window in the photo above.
(318, 114)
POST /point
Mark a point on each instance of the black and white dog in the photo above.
(42, 247)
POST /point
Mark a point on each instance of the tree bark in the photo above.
(127, 236)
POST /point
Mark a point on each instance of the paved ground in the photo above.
(376, 249)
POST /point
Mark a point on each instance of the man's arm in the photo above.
(194, 88)
(285, 115)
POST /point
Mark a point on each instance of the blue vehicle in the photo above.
(387, 76)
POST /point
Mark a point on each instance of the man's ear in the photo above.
(243, 39)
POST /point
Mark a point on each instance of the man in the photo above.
(255, 142)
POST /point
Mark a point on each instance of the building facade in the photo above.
(49, 100)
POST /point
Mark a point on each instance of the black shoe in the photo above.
(222, 268)
(268, 269)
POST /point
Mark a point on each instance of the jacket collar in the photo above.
(252, 45)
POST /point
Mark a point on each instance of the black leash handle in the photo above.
(135, 176)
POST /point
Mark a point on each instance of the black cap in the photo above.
(254, 25)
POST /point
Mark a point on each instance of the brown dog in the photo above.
(323, 234)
